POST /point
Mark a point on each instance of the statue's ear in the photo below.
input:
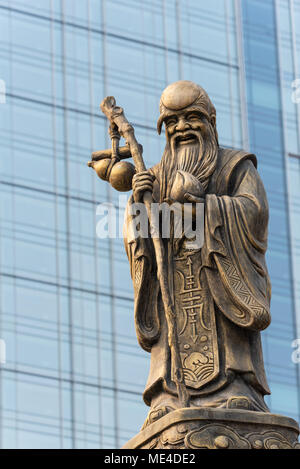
(159, 125)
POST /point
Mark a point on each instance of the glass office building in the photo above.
(74, 373)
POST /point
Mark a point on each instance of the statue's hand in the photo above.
(141, 183)
(170, 201)
(193, 198)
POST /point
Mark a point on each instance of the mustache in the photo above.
(186, 135)
(182, 134)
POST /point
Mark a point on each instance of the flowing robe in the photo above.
(221, 292)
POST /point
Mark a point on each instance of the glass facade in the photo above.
(74, 373)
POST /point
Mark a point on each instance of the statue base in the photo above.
(209, 428)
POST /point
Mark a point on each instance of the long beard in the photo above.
(198, 159)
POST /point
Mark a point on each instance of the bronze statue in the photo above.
(198, 311)
(222, 291)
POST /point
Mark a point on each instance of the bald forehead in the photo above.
(180, 95)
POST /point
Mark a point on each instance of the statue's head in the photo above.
(186, 111)
(192, 140)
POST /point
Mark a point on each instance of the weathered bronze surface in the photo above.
(199, 311)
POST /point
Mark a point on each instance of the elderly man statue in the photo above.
(221, 290)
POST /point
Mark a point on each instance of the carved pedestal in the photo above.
(200, 428)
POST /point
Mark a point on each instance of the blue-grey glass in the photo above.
(74, 372)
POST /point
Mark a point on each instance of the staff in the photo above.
(117, 119)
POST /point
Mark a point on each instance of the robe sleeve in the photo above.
(140, 253)
(234, 249)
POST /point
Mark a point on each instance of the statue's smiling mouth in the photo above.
(185, 138)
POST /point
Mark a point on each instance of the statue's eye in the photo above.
(171, 121)
(194, 117)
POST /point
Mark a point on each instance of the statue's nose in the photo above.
(181, 124)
